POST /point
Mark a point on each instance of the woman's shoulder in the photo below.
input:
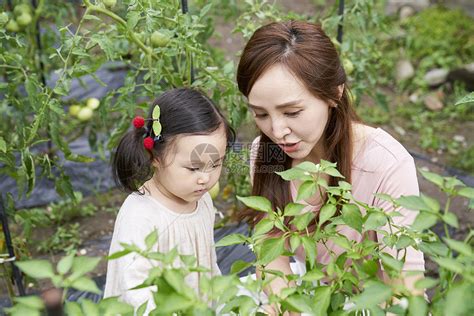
(377, 150)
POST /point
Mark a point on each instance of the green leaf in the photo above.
(404, 242)
(156, 128)
(30, 301)
(426, 283)
(424, 221)
(132, 19)
(459, 246)
(450, 264)
(373, 294)
(467, 192)
(257, 203)
(313, 275)
(306, 190)
(434, 248)
(391, 263)
(231, 240)
(301, 222)
(85, 284)
(297, 303)
(119, 254)
(82, 265)
(417, 306)
(151, 239)
(375, 220)
(271, 249)
(90, 308)
(459, 300)
(432, 177)
(308, 166)
(341, 241)
(112, 306)
(73, 309)
(352, 217)
(413, 202)
(239, 265)
(294, 173)
(466, 99)
(451, 219)
(322, 295)
(333, 172)
(310, 249)
(38, 269)
(171, 303)
(295, 242)
(293, 209)
(327, 211)
(263, 227)
(65, 264)
(3, 145)
(432, 203)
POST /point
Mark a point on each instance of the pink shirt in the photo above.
(380, 165)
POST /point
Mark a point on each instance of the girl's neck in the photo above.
(172, 202)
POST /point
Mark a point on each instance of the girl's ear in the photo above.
(155, 163)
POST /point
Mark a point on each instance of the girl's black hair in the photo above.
(183, 111)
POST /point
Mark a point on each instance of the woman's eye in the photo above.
(216, 166)
(192, 169)
(293, 114)
(261, 115)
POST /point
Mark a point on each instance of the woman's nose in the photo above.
(280, 129)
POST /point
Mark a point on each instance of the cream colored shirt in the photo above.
(380, 165)
(191, 233)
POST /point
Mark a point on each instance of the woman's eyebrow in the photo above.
(283, 105)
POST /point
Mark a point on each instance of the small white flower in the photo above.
(403, 303)
(250, 246)
(417, 241)
(82, 252)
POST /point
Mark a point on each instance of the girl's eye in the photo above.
(192, 169)
(293, 114)
(261, 115)
(215, 166)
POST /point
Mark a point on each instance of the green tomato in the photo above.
(12, 26)
(3, 18)
(159, 39)
(21, 9)
(109, 3)
(348, 65)
(92, 103)
(74, 109)
(24, 19)
(214, 191)
(85, 114)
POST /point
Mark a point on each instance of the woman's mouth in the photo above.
(289, 147)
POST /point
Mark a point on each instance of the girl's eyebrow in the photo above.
(283, 105)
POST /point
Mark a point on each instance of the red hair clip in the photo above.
(138, 122)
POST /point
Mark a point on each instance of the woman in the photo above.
(296, 88)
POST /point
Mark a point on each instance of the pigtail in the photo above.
(131, 163)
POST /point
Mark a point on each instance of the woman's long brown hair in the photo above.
(308, 53)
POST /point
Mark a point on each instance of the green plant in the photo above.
(65, 238)
(347, 284)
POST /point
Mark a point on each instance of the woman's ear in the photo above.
(341, 91)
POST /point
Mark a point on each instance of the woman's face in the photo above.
(289, 114)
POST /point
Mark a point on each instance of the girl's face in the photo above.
(193, 166)
(289, 114)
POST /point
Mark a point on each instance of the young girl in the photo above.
(296, 88)
(168, 168)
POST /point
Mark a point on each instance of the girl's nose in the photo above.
(203, 178)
